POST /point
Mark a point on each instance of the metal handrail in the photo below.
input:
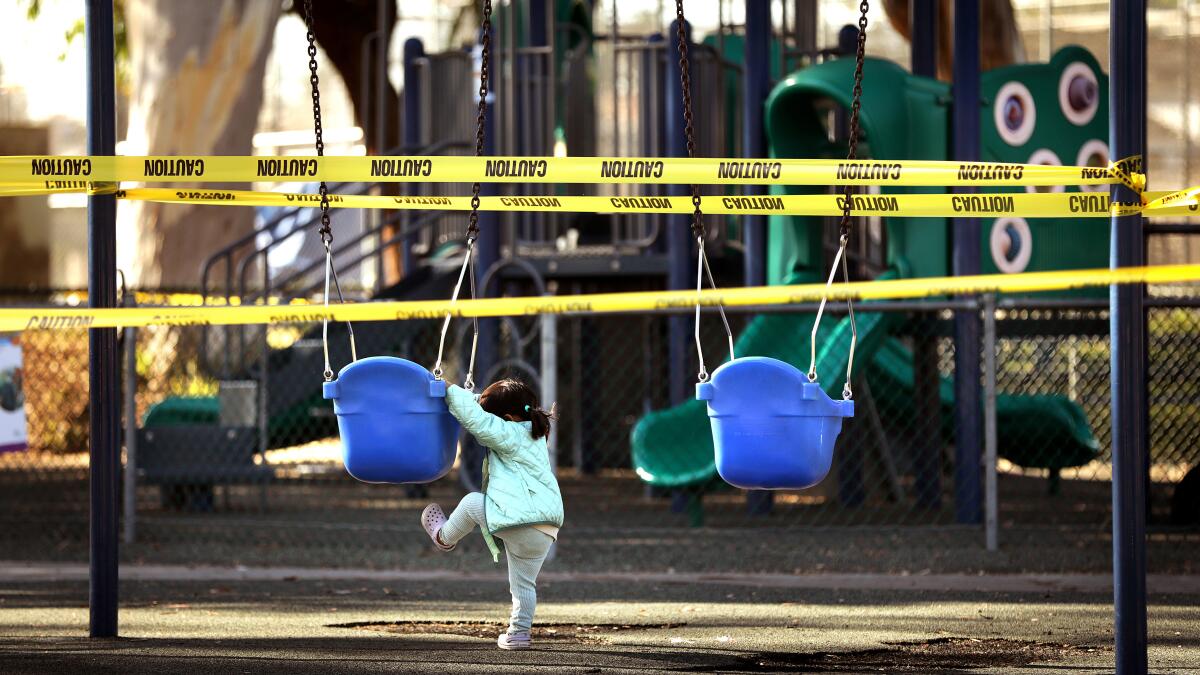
(262, 251)
(227, 251)
(377, 251)
(407, 230)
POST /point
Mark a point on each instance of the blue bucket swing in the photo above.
(773, 428)
(392, 415)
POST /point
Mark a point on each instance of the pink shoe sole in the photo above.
(432, 519)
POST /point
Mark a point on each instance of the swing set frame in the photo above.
(1130, 416)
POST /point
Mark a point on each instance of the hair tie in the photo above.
(526, 408)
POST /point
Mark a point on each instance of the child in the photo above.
(520, 502)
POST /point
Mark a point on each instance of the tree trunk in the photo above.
(342, 30)
(349, 33)
(1000, 36)
(196, 74)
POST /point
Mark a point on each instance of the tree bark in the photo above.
(343, 30)
(1000, 38)
(196, 74)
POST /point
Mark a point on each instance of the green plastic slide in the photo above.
(1046, 431)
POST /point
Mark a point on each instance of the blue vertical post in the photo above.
(928, 461)
(679, 239)
(535, 69)
(414, 49)
(488, 246)
(1127, 316)
(923, 20)
(104, 396)
(966, 260)
(757, 85)
(539, 35)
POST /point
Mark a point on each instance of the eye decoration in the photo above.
(1045, 157)
(1078, 93)
(1015, 113)
(1011, 244)
(1094, 154)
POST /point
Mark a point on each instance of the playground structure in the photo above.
(635, 247)
(527, 254)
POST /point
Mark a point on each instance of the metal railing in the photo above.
(639, 126)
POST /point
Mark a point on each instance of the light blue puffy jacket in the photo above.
(519, 486)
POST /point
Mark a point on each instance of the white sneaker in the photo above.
(514, 641)
(432, 519)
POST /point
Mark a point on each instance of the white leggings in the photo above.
(525, 547)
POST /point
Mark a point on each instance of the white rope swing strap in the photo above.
(331, 272)
(468, 266)
(702, 270)
(838, 260)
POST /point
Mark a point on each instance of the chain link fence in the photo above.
(236, 460)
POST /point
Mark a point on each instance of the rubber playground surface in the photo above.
(255, 620)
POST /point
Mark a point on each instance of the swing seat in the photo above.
(772, 428)
(393, 420)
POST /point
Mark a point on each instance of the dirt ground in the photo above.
(309, 621)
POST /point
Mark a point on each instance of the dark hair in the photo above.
(515, 399)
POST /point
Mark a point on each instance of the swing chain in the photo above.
(325, 231)
(702, 267)
(855, 112)
(468, 265)
(844, 229)
(485, 54)
(840, 259)
(485, 76)
(689, 131)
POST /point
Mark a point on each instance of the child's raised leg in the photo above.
(526, 549)
(446, 532)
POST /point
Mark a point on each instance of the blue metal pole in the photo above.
(414, 49)
(923, 19)
(966, 260)
(679, 241)
(104, 395)
(539, 35)
(1127, 316)
(488, 245)
(757, 85)
(928, 461)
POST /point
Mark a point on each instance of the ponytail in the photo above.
(541, 419)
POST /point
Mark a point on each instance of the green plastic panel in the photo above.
(1032, 113)
(903, 117)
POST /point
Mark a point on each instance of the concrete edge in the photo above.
(25, 572)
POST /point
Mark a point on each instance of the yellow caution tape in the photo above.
(1023, 204)
(1186, 202)
(33, 171)
(65, 319)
